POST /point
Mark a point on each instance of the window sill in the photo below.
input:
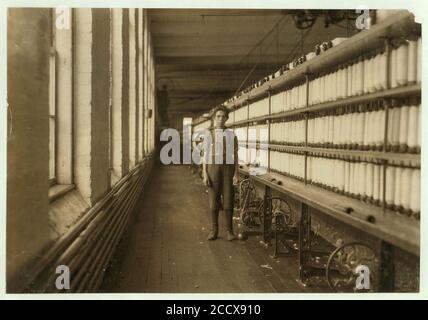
(58, 190)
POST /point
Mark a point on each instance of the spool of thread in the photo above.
(354, 79)
(412, 61)
(395, 129)
(415, 205)
(283, 101)
(362, 180)
(272, 133)
(304, 93)
(325, 125)
(360, 130)
(293, 98)
(356, 179)
(382, 72)
(347, 177)
(390, 187)
(366, 131)
(367, 74)
(276, 161)
(402, 63)
(375, 126)
(308, 169)
(393, 68)
(339, 84)
(286, 100)
(398, 189)
(335, 174)
(355, 130)
(322, 89)
(335, 129)
(344, 82)
(327, 94)
(360, 78)
(381, 186)
(381, 129)
(342, 130)
(341, 182)
(302, 131)
(316, 131)
(349, 130)
(406, 180)
(370, 131)
(313, 92)
(335, 88)
(331, 130)
(418, 62)
(404, 128)
(349, 87)
(373, 74)
(390, 128)
(369, 181)
(376, 184)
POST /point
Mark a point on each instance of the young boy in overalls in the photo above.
(220, 172)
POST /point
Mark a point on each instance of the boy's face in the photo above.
(220, 119)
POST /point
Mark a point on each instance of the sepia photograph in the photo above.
(213, 150)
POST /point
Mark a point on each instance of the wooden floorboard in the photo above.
(164, 248)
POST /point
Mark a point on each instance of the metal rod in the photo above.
(64, 241)
(100, 243)
(102, 266)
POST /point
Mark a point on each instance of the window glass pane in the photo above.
(51, 148)
(52, 83)
(52, 119)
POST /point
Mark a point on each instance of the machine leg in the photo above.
(386, 265)
(304, 245)
(267, 216)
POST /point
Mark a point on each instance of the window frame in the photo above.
(53, 109)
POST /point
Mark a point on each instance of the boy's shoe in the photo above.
(230, 236)
(212, 236)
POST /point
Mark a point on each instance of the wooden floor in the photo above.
(164, 248)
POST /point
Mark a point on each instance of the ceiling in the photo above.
(205, 56)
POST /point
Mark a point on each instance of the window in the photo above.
(52, 109)
(61, 99)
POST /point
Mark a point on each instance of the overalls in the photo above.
(221, 178)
